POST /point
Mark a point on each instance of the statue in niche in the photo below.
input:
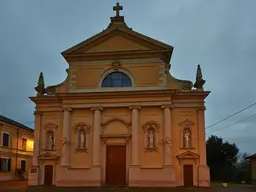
(187, 139)
(50, 141)
(82, 140)
(151, 139)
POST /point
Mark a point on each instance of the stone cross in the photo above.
(117, 8)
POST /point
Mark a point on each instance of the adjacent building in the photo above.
(16, 148)
(252, 159)
(120, 117)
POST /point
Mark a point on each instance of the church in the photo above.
(120, 118)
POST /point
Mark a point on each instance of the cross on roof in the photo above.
(117, 8)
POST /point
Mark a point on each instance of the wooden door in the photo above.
(48, 174)
(188, 175)
(116, 165)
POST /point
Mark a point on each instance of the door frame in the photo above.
(108, 142)
(53, 173)
(182, 173)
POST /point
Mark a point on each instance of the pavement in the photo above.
(21, 186)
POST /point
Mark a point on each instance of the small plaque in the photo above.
(33, 170)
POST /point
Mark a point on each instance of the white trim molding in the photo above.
(112, 70)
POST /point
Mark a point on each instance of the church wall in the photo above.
(151, 159)
(81, 158)
(179, 115)
(123, 113)
(48, 119)
(86, 76)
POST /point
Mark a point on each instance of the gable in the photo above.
(117, 40)
(48, 156)
(117, 43)
(188, 155)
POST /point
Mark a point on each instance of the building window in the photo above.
(23, 165)
(5, 165)
(24, 143)
(117, 79)
(6, 139)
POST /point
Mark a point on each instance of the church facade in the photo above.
(120, 117)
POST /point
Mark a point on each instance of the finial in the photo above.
(117, 8)
(199, 79)
(40, 89)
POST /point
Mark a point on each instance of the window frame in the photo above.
(2, 138)
(8, 164)
(116, 79)
(109, 72)
(22, 143)
(23, 160)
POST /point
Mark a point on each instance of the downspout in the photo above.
(17, 150)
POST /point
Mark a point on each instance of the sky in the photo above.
(219, 35)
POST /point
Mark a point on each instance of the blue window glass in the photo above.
(117, 79)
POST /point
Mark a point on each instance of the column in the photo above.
(167, 135)
(201, 131)
(65, 155)
(37, 129)
(96, 135)
(135, 135)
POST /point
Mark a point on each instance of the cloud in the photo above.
(219, 35)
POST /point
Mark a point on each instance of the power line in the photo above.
(235, 123)
(231, 115)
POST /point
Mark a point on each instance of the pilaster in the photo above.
(135, 135)
(65, 155)
(203, 169)
(37, 128)
(96, 135)
(167, 135)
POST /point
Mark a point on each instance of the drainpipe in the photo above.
(17, 150)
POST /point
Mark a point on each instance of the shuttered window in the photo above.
(5, 165)
(6, 138)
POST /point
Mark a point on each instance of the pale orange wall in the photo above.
(116, 43)
(179, 115)
(81, 159)
(10, 152)
(123, 113)
(56, 118)
(151, 159)
(84, 76)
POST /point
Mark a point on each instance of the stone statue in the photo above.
(150, 139)
(40, 89)
(187, 139)
(50, 142)
(199, 79)
(82, 140)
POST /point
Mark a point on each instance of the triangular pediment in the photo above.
(188, 155)
(48, 156)
(117, 40)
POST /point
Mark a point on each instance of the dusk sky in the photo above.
(219, 35)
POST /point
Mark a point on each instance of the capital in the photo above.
(67, 109)
(96, 108)
(201, 108)
(135, 107)
(166, 106)
(38, 113)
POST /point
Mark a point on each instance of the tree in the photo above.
(221, 158)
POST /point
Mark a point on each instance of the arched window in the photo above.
(117, 79)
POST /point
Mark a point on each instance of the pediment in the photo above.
(188, 155)
(117, 40)
(48, 156)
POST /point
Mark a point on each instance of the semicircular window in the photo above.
(117, 79)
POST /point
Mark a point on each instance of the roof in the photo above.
(15, 123)
(252, 156)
